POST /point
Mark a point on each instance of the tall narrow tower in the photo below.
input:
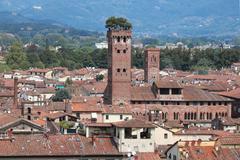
(152, 62)
(119, 66)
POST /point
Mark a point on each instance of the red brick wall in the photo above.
(152, 63)
(119, 69)
(182, 109)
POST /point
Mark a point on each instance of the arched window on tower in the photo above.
(29, 110)
(118, 39)
(124, 39)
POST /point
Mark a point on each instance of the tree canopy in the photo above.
(118, 23)
(61, 95)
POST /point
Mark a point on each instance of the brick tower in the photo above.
(119, 66)
(151, 68)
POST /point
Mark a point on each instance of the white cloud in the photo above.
(37, 7)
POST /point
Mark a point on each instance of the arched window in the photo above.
(118, 39)
(29, 110)
(210, 115)
(216, 115)
(166, 115)
(195, 116)
(189, 115)
(225, 114)
(185, 115)
(201, 115)
(175, 115)
(124, 39)
(163, 115)
(222, 114)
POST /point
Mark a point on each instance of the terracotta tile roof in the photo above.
(8, 83)
(99, 124)
(134, 123)
(230, 140)
(142, 93)
(116, 109)
(39, 70)
(203, 131)
(40, 122)
(97, 87)
(147, 156)
(189, 94)
(6, 118)
(167, 84)
(56, 106)
(173, 124)
(231, 94)
(202, 77)
(46, 90)
(195, 94)
(57, 145)
(56, 115)
(228, 153)
(201, 152)
(216, 86)
(88, 106)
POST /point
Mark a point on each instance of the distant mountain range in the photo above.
(158, 17)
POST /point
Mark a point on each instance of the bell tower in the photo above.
(152, 63)
(119, 66)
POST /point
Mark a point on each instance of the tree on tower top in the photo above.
(116, 23)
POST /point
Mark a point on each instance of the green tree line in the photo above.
(75, 58)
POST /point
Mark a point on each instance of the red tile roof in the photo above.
(142, 93)
(230, 140)
(89, 106)
(231, 94)
(57, 145)
(134, 123)
(167, 84)
(195, 94)
(147, 156)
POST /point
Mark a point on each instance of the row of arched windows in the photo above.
(190, 115)
(119, 39)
